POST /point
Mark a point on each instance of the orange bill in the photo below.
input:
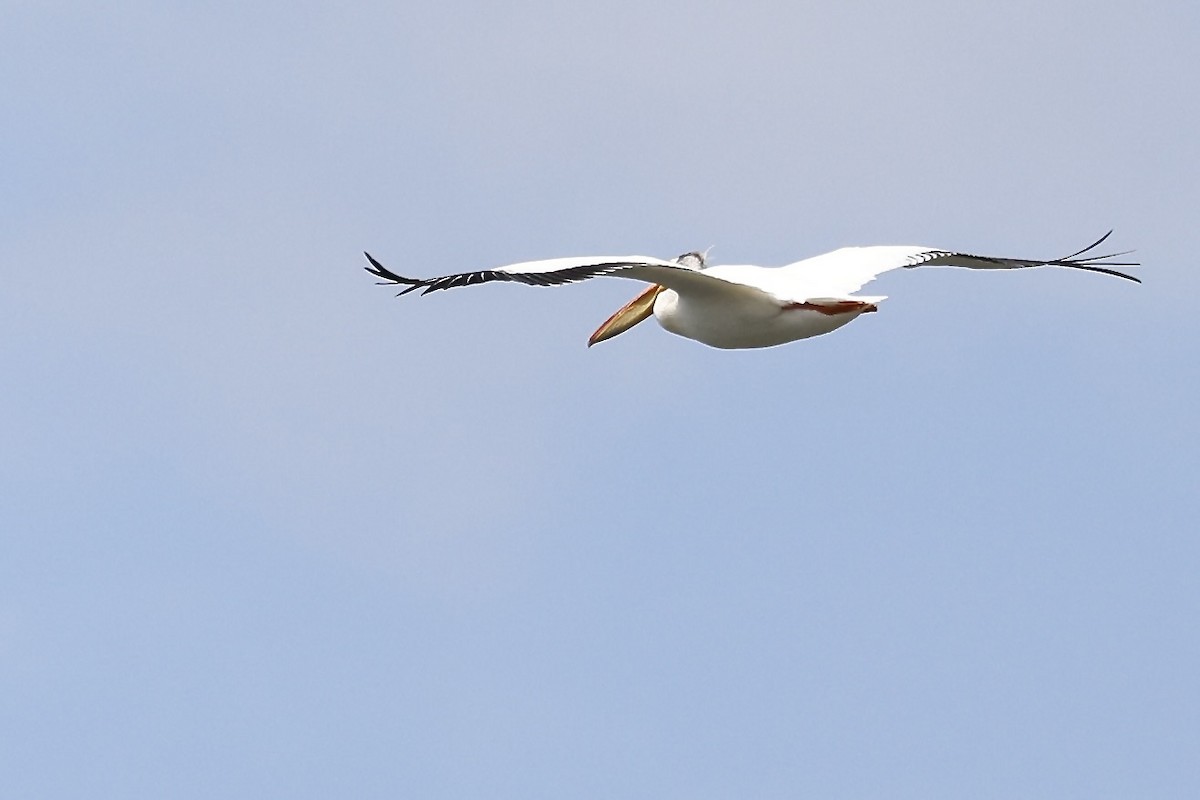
(627, 316)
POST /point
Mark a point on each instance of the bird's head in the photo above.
(695, 259)
(642, 306)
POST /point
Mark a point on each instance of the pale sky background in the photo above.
(266, 531)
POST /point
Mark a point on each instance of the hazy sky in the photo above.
(267, 531)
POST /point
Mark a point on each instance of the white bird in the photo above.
(735, 306)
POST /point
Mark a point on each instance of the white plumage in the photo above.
(741, 305)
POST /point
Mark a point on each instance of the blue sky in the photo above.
(267, 531)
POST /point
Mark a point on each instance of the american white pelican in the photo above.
(739, 305)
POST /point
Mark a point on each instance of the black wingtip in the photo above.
(1098, 263)
(376, 268)
(391, 278)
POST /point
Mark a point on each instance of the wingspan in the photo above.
(549, 272)
(680, 274)
(849, 269)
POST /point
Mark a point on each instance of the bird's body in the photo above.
(746, 320)
(736, 306)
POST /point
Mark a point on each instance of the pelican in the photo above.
(736, 306)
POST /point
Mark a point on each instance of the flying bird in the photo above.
(735, 306)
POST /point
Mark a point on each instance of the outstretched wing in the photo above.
(849, 269)
(558, 271)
